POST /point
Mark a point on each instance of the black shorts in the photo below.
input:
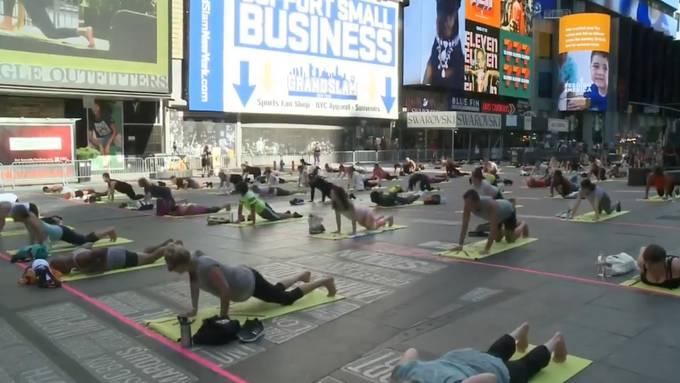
(33, 209)
(70, 236)
(277, 293)
(510, 224)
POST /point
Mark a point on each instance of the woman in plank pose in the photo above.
(258, 206)
(361, 215)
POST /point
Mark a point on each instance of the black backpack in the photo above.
(216, 331)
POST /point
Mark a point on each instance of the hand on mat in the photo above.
(484, 252)
(456, 248)
(190, 314)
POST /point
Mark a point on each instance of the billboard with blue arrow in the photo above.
(281, 57)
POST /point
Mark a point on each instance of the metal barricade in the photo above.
(31, 173)
(389, 156)
(363, 156)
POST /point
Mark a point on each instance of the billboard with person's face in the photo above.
(584, 62)
(517, 15)
(105, 135)
(105, 45)
(481, 59)
(434, 43)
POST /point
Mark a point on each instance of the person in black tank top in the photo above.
(120, 187)
(659, 269)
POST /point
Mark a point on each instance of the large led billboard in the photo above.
(516, 65)
(481, 59)
(113, 46)
(327, 58)
(584, 62)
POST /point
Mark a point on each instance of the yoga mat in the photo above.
(473, 250)
(252, 308)
(415, 203)
(638, 284)
(558, 372)
(223, 211)
(17, 232)
(61, 247)
(263, 222)
(116, 197)
(655, 198)
(590, 217)
(78, 276)
(359, 234)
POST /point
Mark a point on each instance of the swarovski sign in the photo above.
(453, 120)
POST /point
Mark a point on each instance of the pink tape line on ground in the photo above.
(149, 333)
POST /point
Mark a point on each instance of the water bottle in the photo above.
(185, 331)
(601, 272)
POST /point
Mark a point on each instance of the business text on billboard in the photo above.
(516, 65)
(290, 57)
(481, 59)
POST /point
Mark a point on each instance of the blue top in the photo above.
(453, 367)
(54, 232)
(597, 102)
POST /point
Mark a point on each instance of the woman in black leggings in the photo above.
(236, 283)
(468, 365)
(37, 11)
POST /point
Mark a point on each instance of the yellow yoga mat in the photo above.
(61, 247)
(590, 217)
(558, 372)
(116, 198)
(16, 233)
(78, 276)
(252, 308)
(359, 234)
(655, 198)
(416, 203)
(222, 211)
(473, 250)
(263, 222)
(638, 284)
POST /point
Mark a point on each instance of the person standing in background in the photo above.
(102, 130)
(317, 155)
(206, 162)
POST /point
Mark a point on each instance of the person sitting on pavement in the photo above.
(239, 283)
(501, 216)
(658, 268)
(568, 189)
(453, 169)
(380, 174)
(493, 366)
(425, 181)
(257, 206)
(665, 183)
(361, 215)
(598, 199)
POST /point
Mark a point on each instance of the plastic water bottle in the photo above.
(601, 268)
(185, 331)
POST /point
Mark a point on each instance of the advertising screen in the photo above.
(105, 136)
(24, 142)
(112, 45)
(517, 15)
(516, 65)
(434, 43)
(486, 12)
(333, 58)
(584, 62)
(481, 59)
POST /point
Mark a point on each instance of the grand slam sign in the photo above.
(305, 57)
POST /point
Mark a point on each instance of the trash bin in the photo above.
(84, 171)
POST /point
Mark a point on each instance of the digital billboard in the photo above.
(39, 141)
(434, 43)
(517, 15)
(481, 59)
(584, 62)
(334, 58)
(487, 12)
(112, 45)
(516, 65)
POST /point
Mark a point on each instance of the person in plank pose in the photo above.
(258, 206)
(361, 215)
(598, 198)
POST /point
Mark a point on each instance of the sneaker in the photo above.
(352, 196)
(251, 331)
(297, 201)
(618, 207)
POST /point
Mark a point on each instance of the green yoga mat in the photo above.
(359, 234)
(61, 247)
(116, 198)
(590, 217)
(416, 203)
(78, 276)
(558, 372)
(252, 308)
(638, 284)
(472, 251)
(264, 222)
(656, 199)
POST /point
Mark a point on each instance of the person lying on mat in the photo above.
(316, 181)
(658, 268)
(258, 207)
(188, 209)
(392, 199)
(664, 183)
(39, 232)
(425, 180)
(361, 215)
(114, 186)
(381, 174)
(87, 260)
(272, 191)
(155, 191)
(184, 183)
(493, 366)
(482, 186)
(500, 214)
(598, 198)
(236, 283)
(69, 193)
(567, 188)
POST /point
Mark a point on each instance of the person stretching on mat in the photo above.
(39, 232)
(482, 186)
(273, 191)
(356, 180)
(114, 186)
(568, 189)
(453, 169)
(425, 180)
(598, 198)
(664, 183)
(258, 207)
(236, 283)
(156, 191)
(493, 366)
(380, 174)
(391, 199)
(188, 209)
(500, 214)
(318, 182)
(6, 209)
(659, 269)
(90, 261)
(184, 183)
(248, 170)
(361, 215)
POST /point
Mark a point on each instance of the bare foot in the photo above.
(305, 277)
(523, 337)
(560, 353)
(6, 23)
(88, 33)
(113, 236)
(390, 221)
(329, 283)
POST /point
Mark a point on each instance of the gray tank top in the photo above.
(240, 278)
(503, 209)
